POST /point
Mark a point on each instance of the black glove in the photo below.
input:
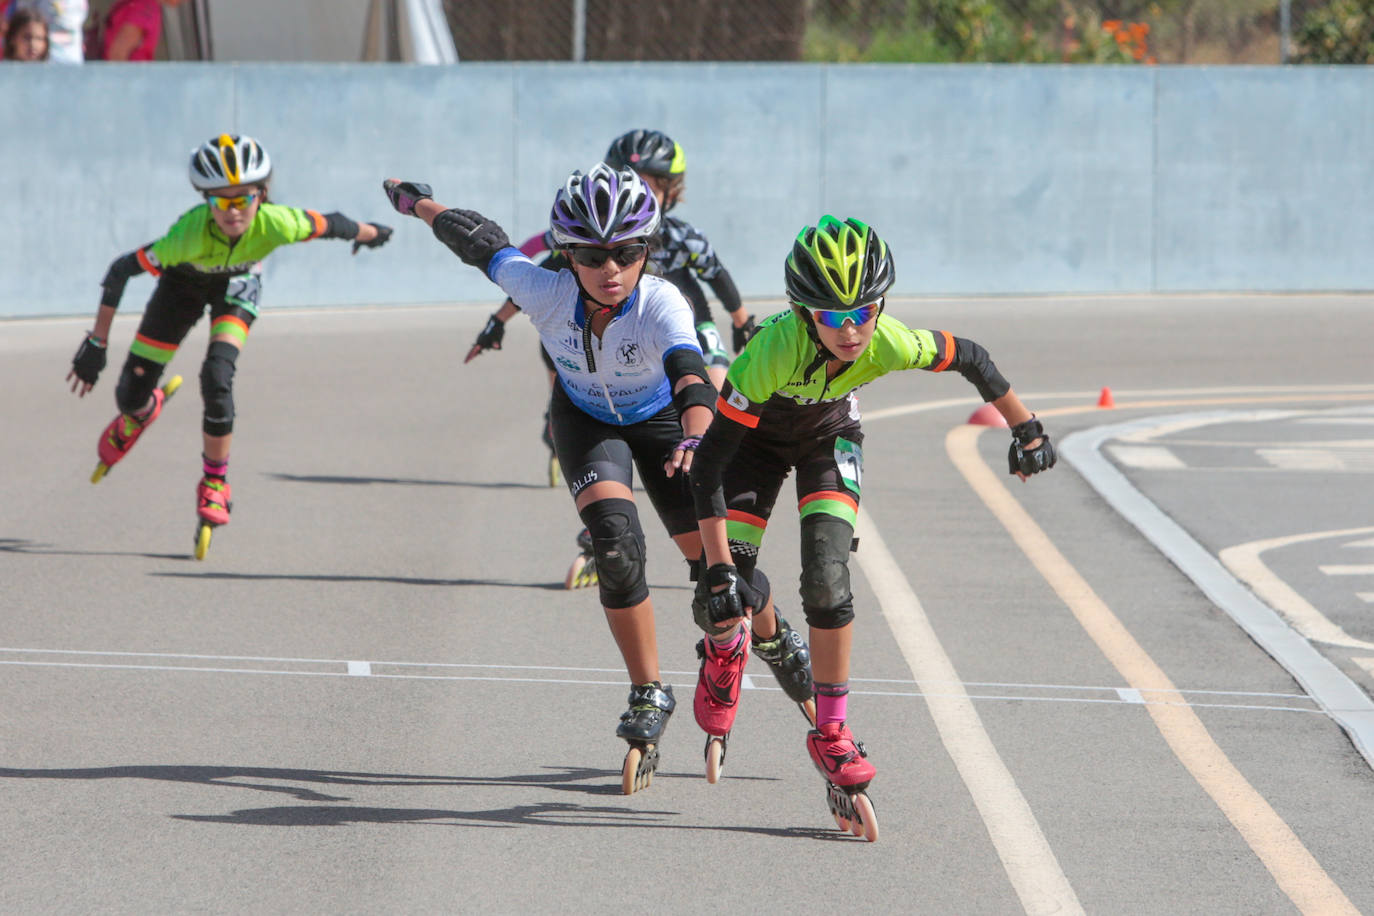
(89, 360)
(380, 239)
(742, 333)
(730, 601)
(470, 235)
(1028, 461)
(490, 337)
(405, 195)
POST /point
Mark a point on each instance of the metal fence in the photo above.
(938, 31)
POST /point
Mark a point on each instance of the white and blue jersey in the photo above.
(619, 378)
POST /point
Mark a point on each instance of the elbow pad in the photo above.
(471, 236)
(679, 364)
(973, 363)
(121, 269)
(338, 226)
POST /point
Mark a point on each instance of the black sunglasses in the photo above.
(624, 255)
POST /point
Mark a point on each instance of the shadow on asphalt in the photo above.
(333, 577)
(31, 548)
(410, 482)
(547, 814)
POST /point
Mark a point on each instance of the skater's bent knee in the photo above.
(217, 388)
(136, 384)
(826, 597)
(618, 545)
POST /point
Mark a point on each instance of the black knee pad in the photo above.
(618, 544)
(135, 388)
(826, 599)
(217, 388)
(759, 581)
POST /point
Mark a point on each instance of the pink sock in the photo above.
(216, 468)
(731, 642)
(832, 703)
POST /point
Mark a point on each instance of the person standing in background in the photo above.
(66, 21)
(132, 29)
(27, 38)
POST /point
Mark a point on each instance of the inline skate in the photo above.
(123, 431)
(642, 727)
(582, 572)
(213, 503)
(843, 762)
(790, 661)
(717, 697)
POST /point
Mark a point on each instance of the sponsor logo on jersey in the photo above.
(628, 353)
(737, 401)
(567, 364)
(584, 481)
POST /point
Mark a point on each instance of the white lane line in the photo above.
(1026, 855)
(1147, 457)
(747, 683)
(1365, 663)
(1367, 597)
(562, 682)
(1130, 695)
(1245, 563)
(1342, 699)
(360, 669)
(1359, 569)
(1367, 542)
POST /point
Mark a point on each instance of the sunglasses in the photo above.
(836, 319)
(242, 202)
(624, 255)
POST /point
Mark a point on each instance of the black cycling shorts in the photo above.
(590, 451)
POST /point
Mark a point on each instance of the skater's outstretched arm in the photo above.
(469, 234)
(90, 356)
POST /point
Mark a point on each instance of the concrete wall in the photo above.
(983, 179)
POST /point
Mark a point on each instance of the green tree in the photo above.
(1342, 32)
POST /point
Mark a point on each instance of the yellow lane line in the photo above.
(1296, 871)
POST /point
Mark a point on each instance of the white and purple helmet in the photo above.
(604, 207)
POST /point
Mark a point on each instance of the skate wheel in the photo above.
(203, 532)
(868, 818)
(171, 387)
(809, 710)
(99, 473)
(570, 581)
(715, 759)
(841, 822)
(555, 472)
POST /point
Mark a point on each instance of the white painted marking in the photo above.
(1358, 569)
(1341, 421)
(1367, 597)
(360, 669)
(1302, 459)
(1149, 457)
(1338, 695)
(1026, 855)
(746, 683)
(1367, 542)
(1365, 663)
(1149, 433)
(1130, 695)
(1244, 562)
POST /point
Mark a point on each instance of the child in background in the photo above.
(212, 256)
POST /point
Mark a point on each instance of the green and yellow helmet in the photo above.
(838, 265)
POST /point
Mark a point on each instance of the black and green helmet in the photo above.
(648, 152)
(838, 265)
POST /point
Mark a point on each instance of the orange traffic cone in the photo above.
(1106, 399)
(987, 415)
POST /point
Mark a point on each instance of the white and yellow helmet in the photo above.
(229, 160)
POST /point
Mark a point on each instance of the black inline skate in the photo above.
(789, 659)
(642, 725)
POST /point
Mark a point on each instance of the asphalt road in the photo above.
(374, 694)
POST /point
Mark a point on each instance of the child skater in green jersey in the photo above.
(211, 256)
(789, 403)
